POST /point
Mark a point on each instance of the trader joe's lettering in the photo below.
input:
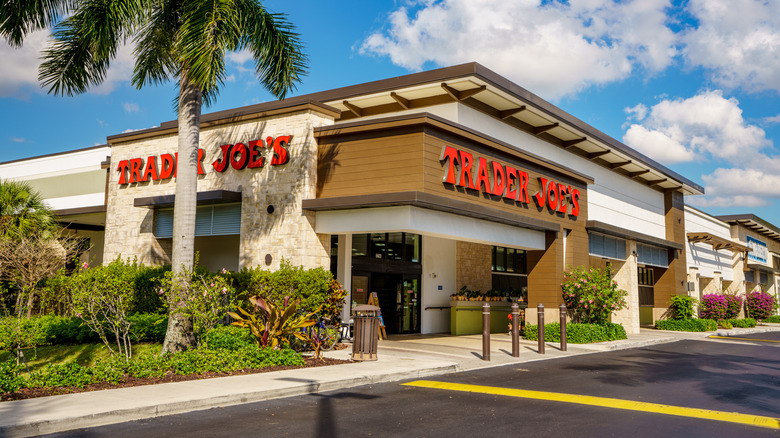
(239, 156)
(461, 169)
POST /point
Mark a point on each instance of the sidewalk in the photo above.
(402, 357)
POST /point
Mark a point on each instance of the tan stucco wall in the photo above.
(287, 232)
(474, 266)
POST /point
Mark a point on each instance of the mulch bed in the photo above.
(133, 381)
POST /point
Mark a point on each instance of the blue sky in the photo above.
(693, 84)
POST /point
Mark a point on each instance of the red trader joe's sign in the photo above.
(238, 156)
(461, 169)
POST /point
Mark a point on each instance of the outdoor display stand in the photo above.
(466, 316)
(373, 300)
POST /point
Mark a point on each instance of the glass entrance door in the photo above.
(409, 304)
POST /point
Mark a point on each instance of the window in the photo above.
(606, 246)
(750, 276)
(509, 260)
(652, 255)
(387, 246)
(763, 277)
(210, 220)
(646, 282)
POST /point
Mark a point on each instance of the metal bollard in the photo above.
(486, 331)
(562, 310)
(540, 322)
(515, 330)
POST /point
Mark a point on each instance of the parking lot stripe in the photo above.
(742, 339)
(614, 403)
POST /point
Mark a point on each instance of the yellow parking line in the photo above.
(743, 339)
(615, 403)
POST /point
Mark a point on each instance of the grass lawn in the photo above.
(83, 354)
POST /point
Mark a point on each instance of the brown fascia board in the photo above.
(612, 230)
(55, 154)
(450, 127)
(431, 202)
(228, 116)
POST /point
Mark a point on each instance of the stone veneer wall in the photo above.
(627, 277)
(287, 232)
(474, 266)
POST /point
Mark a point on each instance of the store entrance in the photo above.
(398, 296)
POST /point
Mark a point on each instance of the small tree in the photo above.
(592, 295)
(713, 306)
(102, 298)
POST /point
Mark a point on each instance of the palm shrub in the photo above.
(591, 295)
(271, 325)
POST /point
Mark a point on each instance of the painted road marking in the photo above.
(743, 339)
(615, 403)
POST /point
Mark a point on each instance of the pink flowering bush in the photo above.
(759, 304)
(591, 295)
(733, 306)
(713, 306)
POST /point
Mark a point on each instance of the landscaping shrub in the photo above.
(147, 365)
(20, 332)
(742, 323)
(313, 287)
(591, 295)
(713, 306)
(148, 327)
(146, 285)
(682, 306)
(229, 337)
(759, 304)
(733, 306)
(725, 324)
(773, 319)
(62, 330)
(687, 325)
(577, 333)
(10, 380)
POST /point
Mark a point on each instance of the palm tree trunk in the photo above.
(180, 334)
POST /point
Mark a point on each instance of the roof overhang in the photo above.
(717, 242)
(481, 89)
(753, 223)
(204, 198)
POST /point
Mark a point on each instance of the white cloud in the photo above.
(637, 112)
(137, 129)
(553, 49)
(131, 107)
(772, 120)
(738, 41)
(18, 139)
(19, 67)
(748, 201)
(703, 126)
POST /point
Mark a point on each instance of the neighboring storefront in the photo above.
(412, 188)
(731, 254)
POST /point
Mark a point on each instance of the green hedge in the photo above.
(687, 325)
(229, 337)
(773, 319)
(577, 333)
(60, 330)
(146, 365)
(742, 323)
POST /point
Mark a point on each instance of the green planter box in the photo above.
(466, 317)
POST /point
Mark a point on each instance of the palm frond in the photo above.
(20, 17)
(155, 60)
(86, 42)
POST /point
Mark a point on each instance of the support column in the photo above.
(344, 272)
(627, 278)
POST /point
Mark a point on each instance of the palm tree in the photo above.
(22, 211)
(175, 39)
